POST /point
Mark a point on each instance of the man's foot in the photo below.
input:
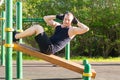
(14, 39)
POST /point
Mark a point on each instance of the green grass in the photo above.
(76, 58)
(93, 59)
(26, 57)
(97, 59)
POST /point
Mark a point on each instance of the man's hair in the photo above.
(74, 21)
(69, 13)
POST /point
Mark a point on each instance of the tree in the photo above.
(102, 16)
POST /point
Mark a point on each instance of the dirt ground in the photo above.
(40, 70)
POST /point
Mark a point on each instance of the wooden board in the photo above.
(51, 58)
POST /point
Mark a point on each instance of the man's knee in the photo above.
(38, 28)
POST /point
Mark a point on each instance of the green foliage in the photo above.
(102, 16)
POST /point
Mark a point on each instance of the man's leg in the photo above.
(35, 29)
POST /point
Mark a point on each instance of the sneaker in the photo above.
(14, 33)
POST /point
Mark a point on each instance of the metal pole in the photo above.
(19, 29)
(87, 72)
(3, 39)
(85, 61)
(33, 20)
(9, 44)
(67, 51)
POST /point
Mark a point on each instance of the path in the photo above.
(40, 70)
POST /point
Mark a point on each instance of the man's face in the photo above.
(67, 20)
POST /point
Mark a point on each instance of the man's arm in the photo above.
(50, 20)
(82, 28)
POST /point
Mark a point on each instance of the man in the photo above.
(64, 32)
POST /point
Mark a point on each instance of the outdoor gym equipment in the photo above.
(53, 59)
(9, 47)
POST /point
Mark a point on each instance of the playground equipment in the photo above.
(9, 47)
(85, 61)
(8, 40)
(19, 29)
(87, 72)
(51, 58)
(2, 38)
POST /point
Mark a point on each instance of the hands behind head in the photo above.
(61, 17)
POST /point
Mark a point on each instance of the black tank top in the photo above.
(60, 38)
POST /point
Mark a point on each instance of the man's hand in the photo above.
(74, 21)
(60, 16)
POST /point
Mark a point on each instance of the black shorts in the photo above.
(44, 43)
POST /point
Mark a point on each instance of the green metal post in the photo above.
(3, 39)
(67, 51)
(85, 62)
(87, 72)
(19, 28)
(33, 20)
(9, 44)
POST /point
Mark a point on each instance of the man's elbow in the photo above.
(87, 29)
(45, 18)
(82, 31)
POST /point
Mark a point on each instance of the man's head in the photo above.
(67, 21)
